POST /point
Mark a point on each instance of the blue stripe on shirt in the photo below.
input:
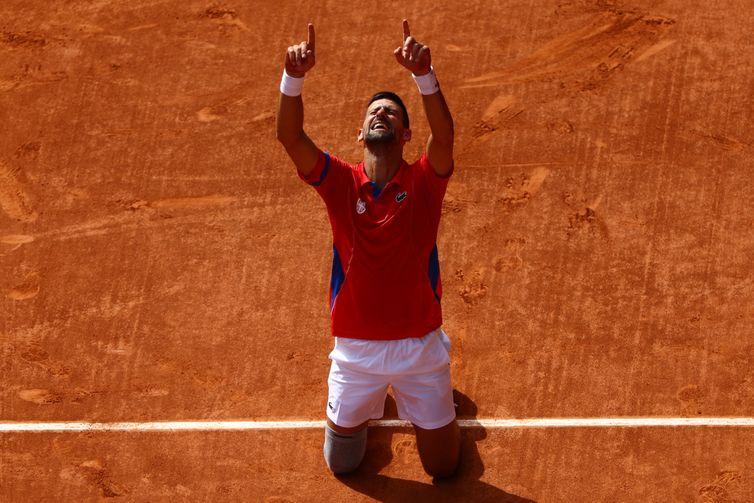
(324, 171)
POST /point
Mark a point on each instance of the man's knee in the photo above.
(344, 451)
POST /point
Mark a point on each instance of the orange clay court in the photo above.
(161, 262)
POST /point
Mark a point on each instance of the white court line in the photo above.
(576, 422)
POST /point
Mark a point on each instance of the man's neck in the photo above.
(381, 162)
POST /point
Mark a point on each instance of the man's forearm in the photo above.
(439, 118)
(290, 119)
(290, 130)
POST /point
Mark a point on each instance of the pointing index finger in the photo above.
(310, 38)
(406, 30)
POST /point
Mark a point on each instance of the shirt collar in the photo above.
(397, 177)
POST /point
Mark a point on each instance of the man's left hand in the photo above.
(413, 55)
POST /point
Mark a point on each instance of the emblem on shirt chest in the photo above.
(361, 206)
(400, 197)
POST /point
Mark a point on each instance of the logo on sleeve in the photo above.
(400, 197)
(361, 206)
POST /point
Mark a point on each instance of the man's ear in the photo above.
(360, 136)
(406, 135)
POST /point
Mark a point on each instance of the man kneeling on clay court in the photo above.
(385, 285)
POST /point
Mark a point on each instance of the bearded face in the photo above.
(383, 123)
(379, 133)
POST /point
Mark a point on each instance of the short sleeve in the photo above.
(330, 177)
(427, 167)
(319, 173)
(437, 184)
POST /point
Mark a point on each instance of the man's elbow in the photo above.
(445, 138)
(286, 138)
(445, 135)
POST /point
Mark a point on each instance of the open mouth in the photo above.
(379, 126)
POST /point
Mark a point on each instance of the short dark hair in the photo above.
(388, 95)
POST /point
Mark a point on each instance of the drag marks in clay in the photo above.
(500, 114)
(93, 473)
(473, 288)
(14, 200)
(583, 59)
(452, 203)
(726, 488)
(142, 214)
(51, 397)
(29, 71)
(29, 150)
(26, 289)
(40, 396)
(190, 203)
(211, 114)
(512, 259)
(16, 240)
(222, 104)
(33, 354)
(724, 142)
(224, 17)
(27, 40)
(691, 398)
(583, 218)
(519, 190)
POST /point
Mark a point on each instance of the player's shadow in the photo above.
(464, 486)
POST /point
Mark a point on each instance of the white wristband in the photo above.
(427, 83)
(291, 86)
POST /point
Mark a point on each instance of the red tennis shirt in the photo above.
(385, 281)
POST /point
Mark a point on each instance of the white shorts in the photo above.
(417, 368)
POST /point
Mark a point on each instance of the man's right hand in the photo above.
(300, 58)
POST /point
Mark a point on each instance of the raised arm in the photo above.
(290, 118)
(417, 58)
